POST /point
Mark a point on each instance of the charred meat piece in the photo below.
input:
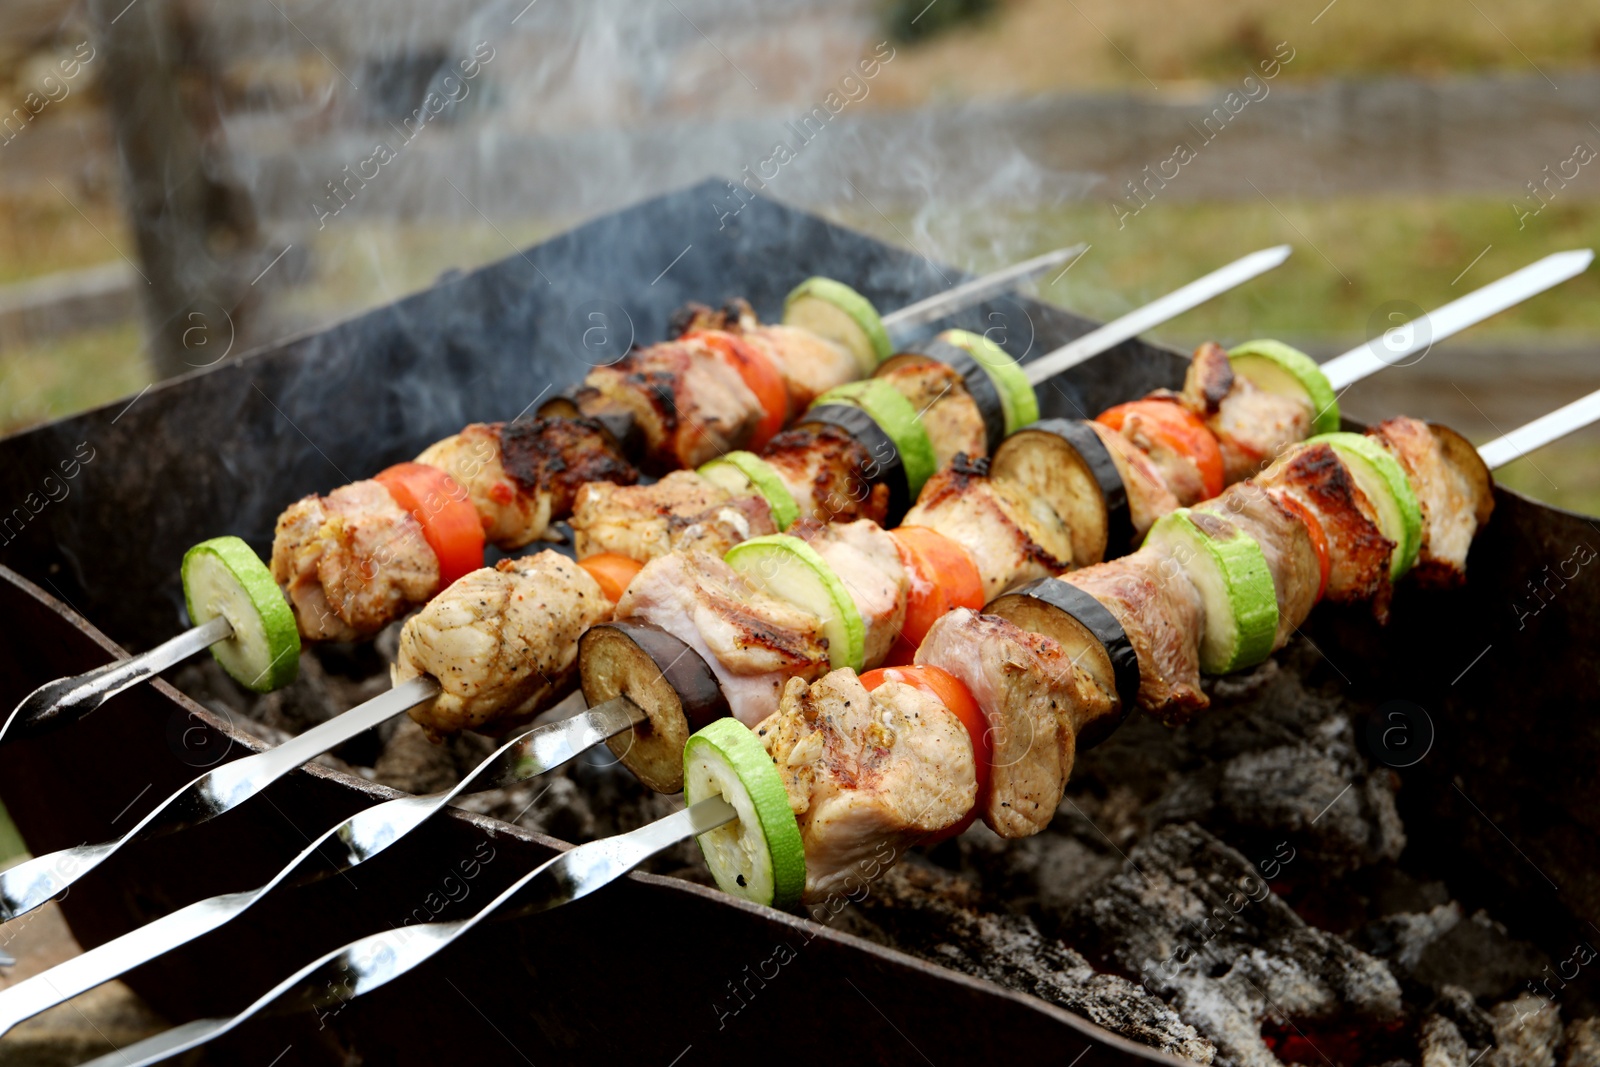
(1035, 699)
(948, 412)
(1253, 426)
(1452, 486)
(1284, 542)
(754, 642)
(690, 406)
(523, 476)
(1162, 614)
(1010, 536)
(502, 642)
(828, 473)
(351, 562)
(868, 563)
(681, 511)
(868, 774)
(1358, 552)
(1148, 495)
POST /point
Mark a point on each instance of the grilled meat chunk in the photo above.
(1252, 425)
(1284, 542)
(1161, 612)
(1035, 699)
(1358, 552)
(868, 774)
(828, 473)
(502, 642)
(1179, 472)
(948, 412)
(681, 511)
(753, 642)
(1148, 495)
(810, 365)
(1011, 537)
(351, 562)
(523, 476)
(1453, 488)
(690, 406)
(868, 563)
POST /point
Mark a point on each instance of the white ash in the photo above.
(1583, 1044)
(1190, 919)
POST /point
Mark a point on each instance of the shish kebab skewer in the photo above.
(67, 699)
(223, 577)
(738, 806)
(691, 706)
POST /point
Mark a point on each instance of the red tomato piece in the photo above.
(450, 523)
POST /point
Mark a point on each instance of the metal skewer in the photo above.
(1541, 431)
(976, 291)
(221, 789)
(66, 700)
(1401, 341)
(1155, 313)
(370, 962)
(350, 843)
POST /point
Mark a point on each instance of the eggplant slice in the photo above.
(885, 467)
(667, 679)
(980, 387)
(1064, 463)
(616, 420)
(1089, 633)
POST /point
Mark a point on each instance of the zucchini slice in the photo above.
(1016, 393)
(1383, 480)
(759, 856)
(885, 467)
(1091, 636)
(835, 311)
(895, 417)
(1064, 463)
(1279, 368)
(1228, 567)
(223, 576)
(745, 472)
(669, 681)
(789, 569)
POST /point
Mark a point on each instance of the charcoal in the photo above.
(1527, 1032)
(1195, 925)
(1275, 756)
(1583, 1044)
(936, 915)
(1441, 1044)
(1480, 955)
(1459, 1006)
(411, 762)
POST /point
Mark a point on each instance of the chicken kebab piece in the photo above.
(869, 769)
(356, 559)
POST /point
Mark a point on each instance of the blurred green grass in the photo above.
(11, 844)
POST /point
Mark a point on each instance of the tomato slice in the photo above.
(942, 576)
(953, 693)
(613, 571)
(1319, 536)
(1177, 428)
(758, 372)
(450, 524)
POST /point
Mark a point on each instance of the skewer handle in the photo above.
(66, 700)
(1155, 313)
(1541, 431)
